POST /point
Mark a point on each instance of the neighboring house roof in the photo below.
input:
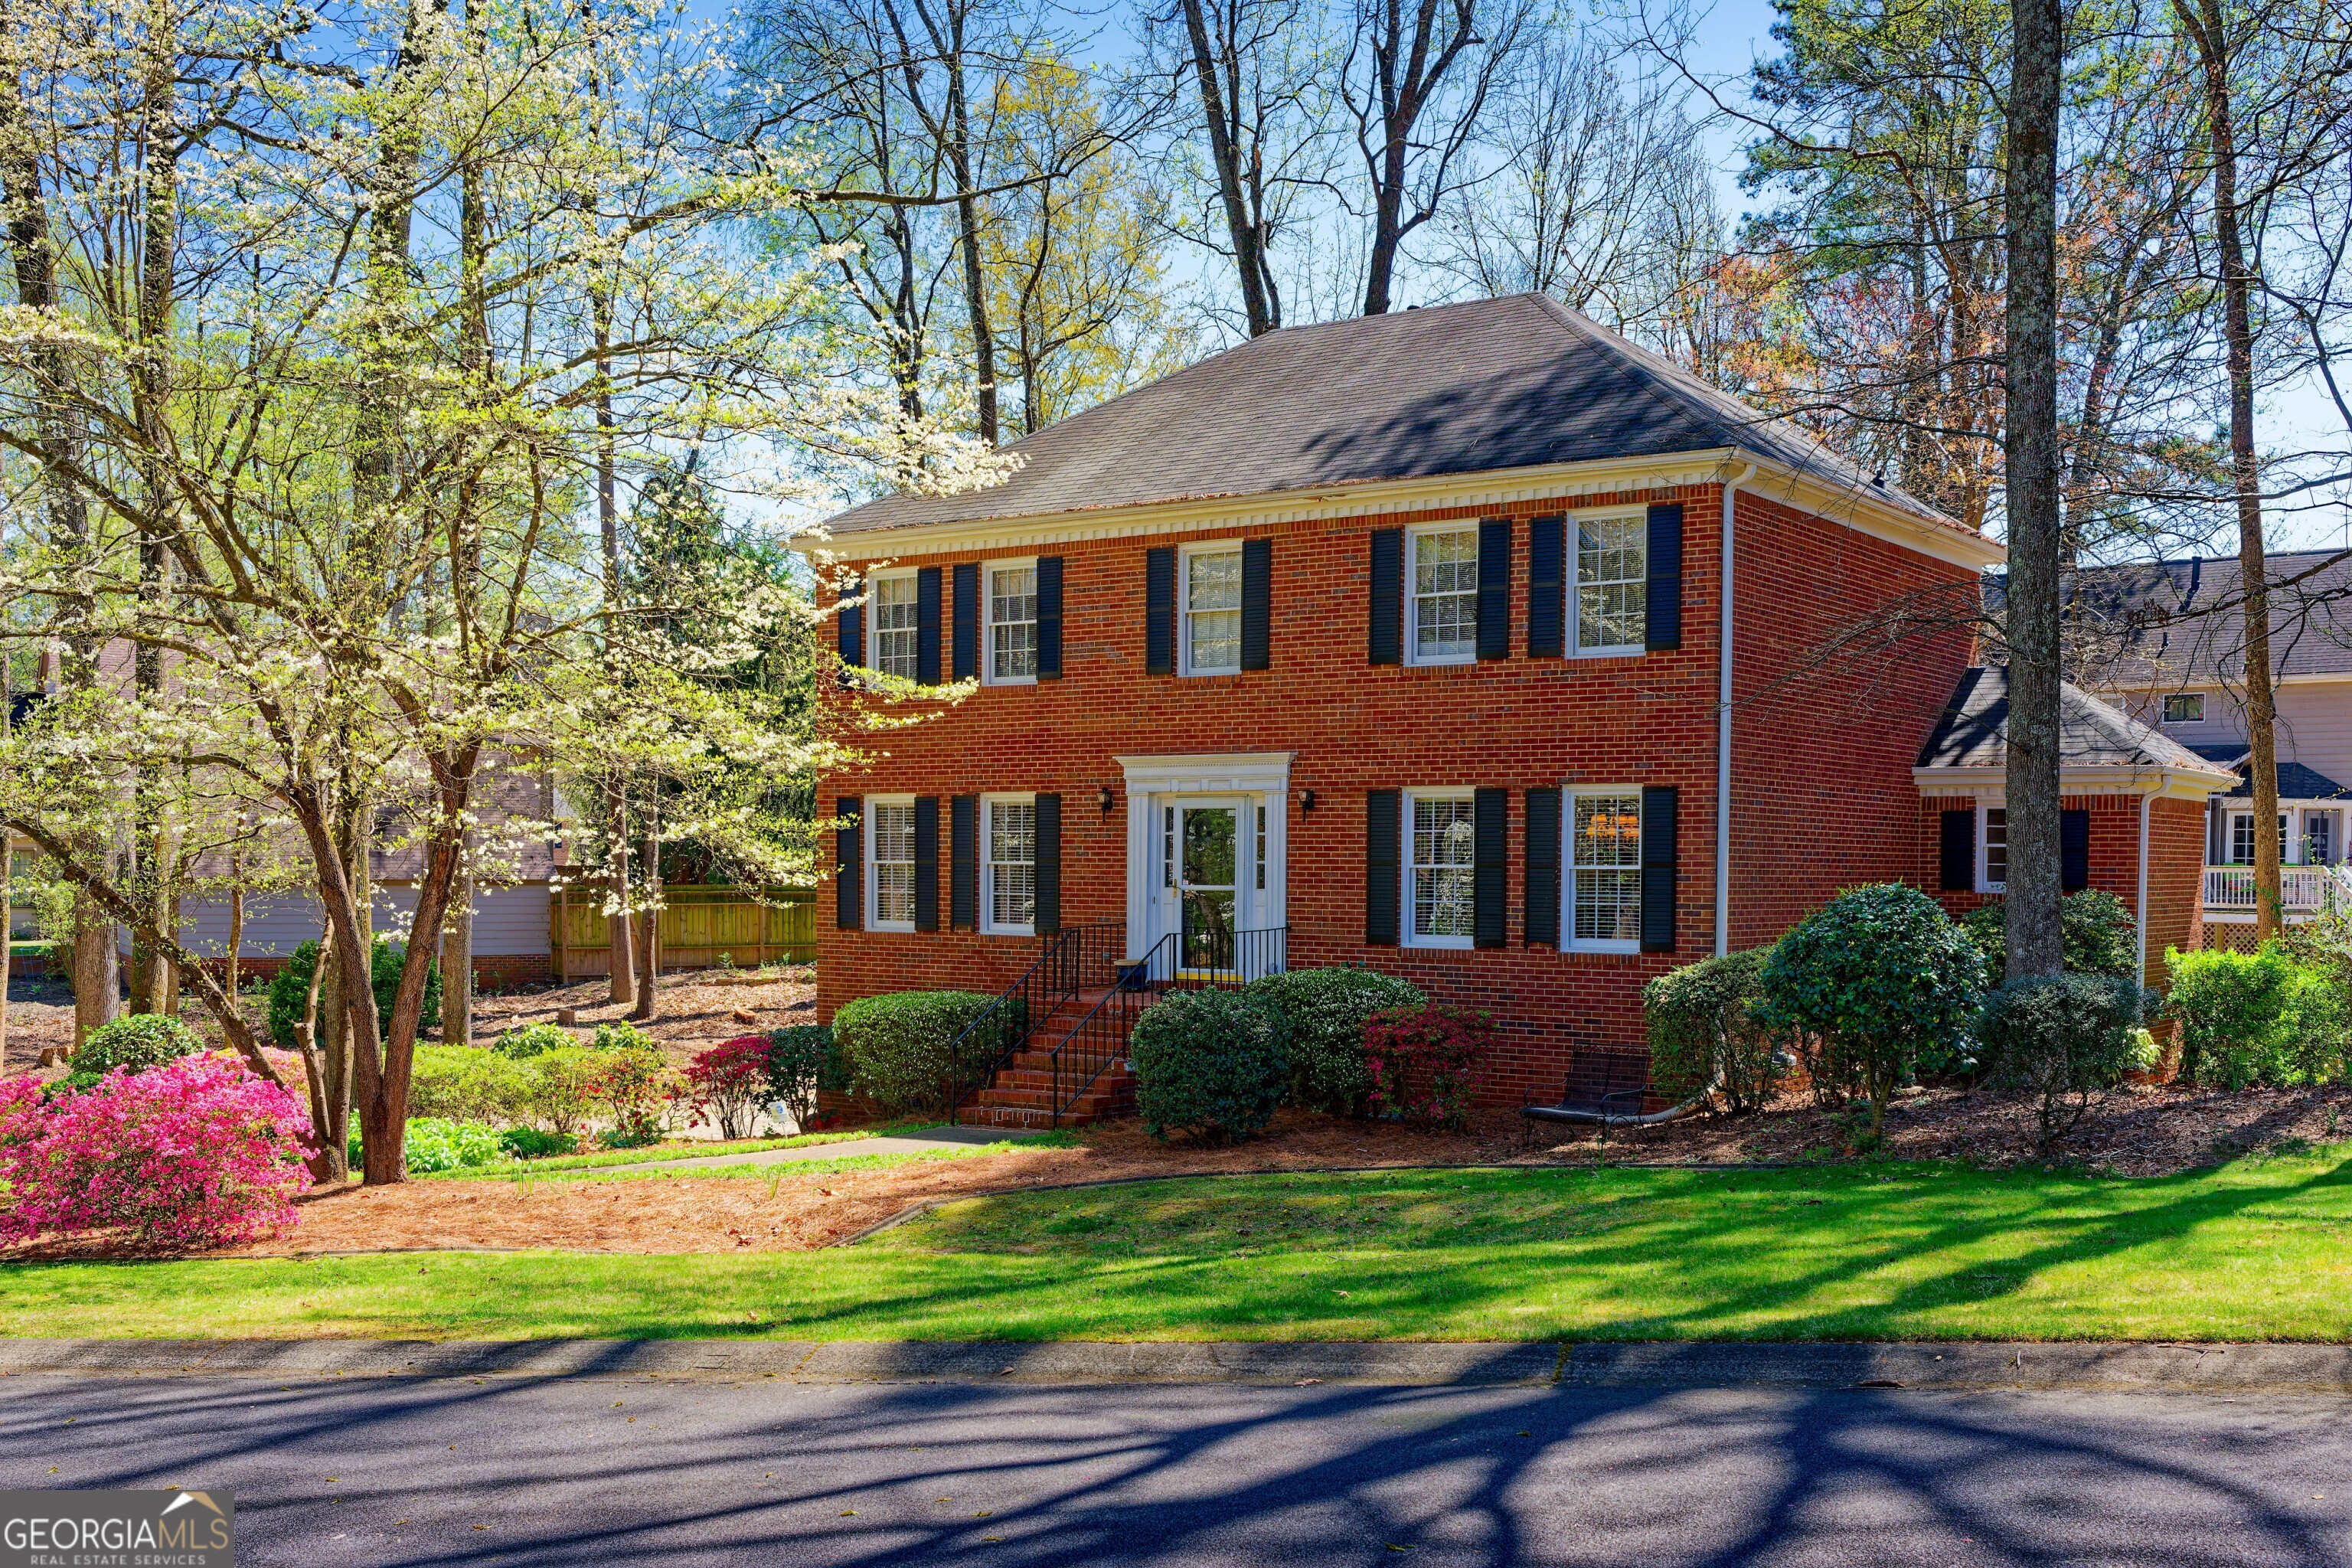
(2295, 782)
(1513, 382)
(2179, 623)
(1973, 734)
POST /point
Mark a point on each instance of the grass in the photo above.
(2257, 1249)
(601, 1158)
(766, 1170)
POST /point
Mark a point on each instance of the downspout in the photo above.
(1723, 730)
(2139, 907)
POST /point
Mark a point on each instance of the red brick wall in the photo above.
(1829, 799)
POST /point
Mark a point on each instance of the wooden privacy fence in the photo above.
(697, 925)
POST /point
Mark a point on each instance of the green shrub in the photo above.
(531, 1039)
(1209, 1063)
(2059, 1040)
(289, 988)
(561, 1088)
(1703, 1029)
(467, 1083)
(136, 1041)
(530, 1143)
(1325, 1011)
(623, 1038)
(1876, 982)
(438, 1144)
(637, 1088)
(896, 1046)
(798, 1057)
(2096, 928)
(2261, 1018)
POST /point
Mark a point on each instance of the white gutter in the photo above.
(1723, 732)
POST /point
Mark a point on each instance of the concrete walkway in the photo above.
(2114, 1368)
(922, 1141)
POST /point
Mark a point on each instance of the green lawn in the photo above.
(598, 1159)
(2257, 1249)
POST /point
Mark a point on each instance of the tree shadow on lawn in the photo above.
(1206, 1475)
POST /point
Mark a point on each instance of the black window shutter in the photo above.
(1664, 596)
(1257, 603)
(1049, 617)
(1388, 598)
(1160, 611)
(1494, 588)
(964, 861)
(849, 865)
(927, 626)
(1658, 870)
(1958, 851)
(1382, 847)
(2074, 851)
(1049, 864)
(851, 624)
(1546, 587)
(1490, 852)
(1543, 867)
(927, 862)
(967, 622)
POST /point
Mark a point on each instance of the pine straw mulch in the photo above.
(2144, 1132)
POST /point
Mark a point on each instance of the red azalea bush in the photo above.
(198, 1153)
(1419, 1060)
(639, 1087)
(729, 1082)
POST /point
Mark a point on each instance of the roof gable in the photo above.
(1973, 732)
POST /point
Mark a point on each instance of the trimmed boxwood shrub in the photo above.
(1702, 1022)
(467, 1083)
(1209, 1063)
(137, 1041)
(2059, 1040)
(1326, 1011)
(1876, 982)
(896, 1045)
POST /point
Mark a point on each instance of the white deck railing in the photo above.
(2302, 889)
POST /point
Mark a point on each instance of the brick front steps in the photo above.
(1022, 1094)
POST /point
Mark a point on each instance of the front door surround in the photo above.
(1207, 855)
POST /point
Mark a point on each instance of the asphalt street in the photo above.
(568, 1470)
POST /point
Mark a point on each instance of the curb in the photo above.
(1956, 1366)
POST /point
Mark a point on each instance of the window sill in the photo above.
(1443, 662)
(1438, 943)
(1010, 680)
(1633, 650)
(1601, 948)
(891, 928)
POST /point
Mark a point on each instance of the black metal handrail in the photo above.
(1069, 959)
(1095, 1042)
(1233, 960)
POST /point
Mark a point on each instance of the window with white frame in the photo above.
(1611, 585)
(1009, 898)
(1441, 861)
(1212, 611)
(1605, 880)
(2185, 708)
(2319, 838)
(1013, 622)
(1992, 836)
(1444, 599)
(892, 614)
(890, 859)
(2241, 837)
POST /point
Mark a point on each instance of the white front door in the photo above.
(1204, 883)
(1205, 861)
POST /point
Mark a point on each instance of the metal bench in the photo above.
(1623, 1084)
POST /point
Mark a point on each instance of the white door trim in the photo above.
(1265, 776)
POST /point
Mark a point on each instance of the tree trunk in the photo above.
(1249, 255)
(623, 990)
(457, 964)
(96, 969)
(650, 939)
(2032, 474)
(2208, 28)
(975, 283)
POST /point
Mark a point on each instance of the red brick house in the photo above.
(1474, 644)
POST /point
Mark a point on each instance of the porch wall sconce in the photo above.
(1102, 799)
(1307, 800)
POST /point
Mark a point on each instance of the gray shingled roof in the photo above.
(2147, 625)
(1974, 730)
(1453, 389)
(2295, 782)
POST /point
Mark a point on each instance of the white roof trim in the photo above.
(2104, 778)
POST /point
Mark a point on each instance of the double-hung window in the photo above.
(2185, 708)
(1439, 851)
(1212, 611)
(890, 863)
(1444, 610)
(892, 614)
(1604, 882)
(1992, 876)
(1612, 606)
(1012, 593)
(1008, 894)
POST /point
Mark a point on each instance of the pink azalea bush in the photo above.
(728, 1083)
(1419, 1060)
(198, 1153)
